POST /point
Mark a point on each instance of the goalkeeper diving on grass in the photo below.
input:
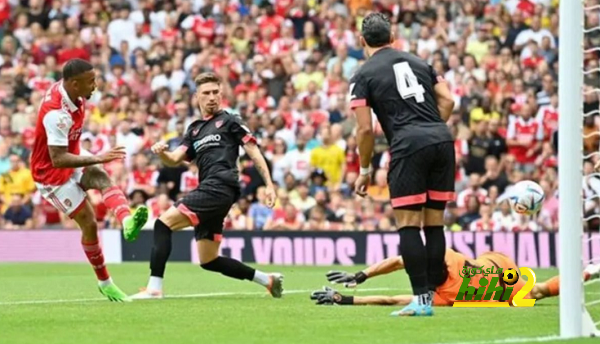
(445, 294)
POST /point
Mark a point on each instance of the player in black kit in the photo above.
(212, 143)
(412, 105)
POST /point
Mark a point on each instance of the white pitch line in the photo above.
(184, 296)
(511, 340)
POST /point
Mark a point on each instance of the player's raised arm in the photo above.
(57, 125)
(443, 97)
(170, 159)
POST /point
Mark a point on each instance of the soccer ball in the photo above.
(527, 197)
(510, 276)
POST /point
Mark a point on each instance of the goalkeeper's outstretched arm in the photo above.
(350, 280)
(329, 296)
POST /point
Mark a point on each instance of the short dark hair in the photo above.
(207, 78)
(376, 30)
(76, 67)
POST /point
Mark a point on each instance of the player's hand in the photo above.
(597, 166)
(348, 279)
(361, 185)
(270, 196)
(159, 147)
(116, 153)
(327, 296)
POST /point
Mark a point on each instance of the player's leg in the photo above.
(86, 220)
(408, 191)
(172, 220)
(94, 177)
(208, 237)
(440, 189)
(208, 251)
(71, 200)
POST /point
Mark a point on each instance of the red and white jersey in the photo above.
(547, 117)
(203, 28)
(100, 144)
(40, 83)
(59, 123)
(283, 45)
(463, 197)
(341, 37)
(528, 132)
(155, 208)
(482, 225)
(137, 177)
(189, 181)
(272, 23)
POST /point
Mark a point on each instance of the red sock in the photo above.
(116, 201)
(93, 251)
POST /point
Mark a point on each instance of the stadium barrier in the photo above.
(535, 250)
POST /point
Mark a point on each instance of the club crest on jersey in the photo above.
(218, 124)
(62, 123)
(68, 203)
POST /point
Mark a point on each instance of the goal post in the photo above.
(570, 158)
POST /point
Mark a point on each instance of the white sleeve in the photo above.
(539, 135)
(188, 22)
(511, 130)
(57, 124)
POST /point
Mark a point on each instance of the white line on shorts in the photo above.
(183, 296)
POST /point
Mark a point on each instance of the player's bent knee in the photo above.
(176, 219)
(212, 265)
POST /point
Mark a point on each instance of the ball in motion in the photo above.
(527, 197)
(510, 276)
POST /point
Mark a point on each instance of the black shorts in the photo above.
(424, 178)
(207, 207)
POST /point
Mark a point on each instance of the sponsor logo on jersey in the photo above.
(75, 134)
(210, 140)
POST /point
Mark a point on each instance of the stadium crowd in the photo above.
(287, 64)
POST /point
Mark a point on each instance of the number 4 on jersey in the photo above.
(407, 83)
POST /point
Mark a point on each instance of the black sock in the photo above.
(230, 268)
(415, 258)
(161, 249)
(435, 244)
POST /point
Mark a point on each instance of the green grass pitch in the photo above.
(59, 304)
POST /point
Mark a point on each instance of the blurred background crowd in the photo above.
(287, 64)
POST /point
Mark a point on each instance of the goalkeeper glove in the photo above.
(329, 296)
(349, 280)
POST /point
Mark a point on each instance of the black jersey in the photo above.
(213, 145)
(399, 87)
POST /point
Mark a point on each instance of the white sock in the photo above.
(105, 282)
(155, 283)
(261, 278)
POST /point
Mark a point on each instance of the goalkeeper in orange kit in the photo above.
(446, 292)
